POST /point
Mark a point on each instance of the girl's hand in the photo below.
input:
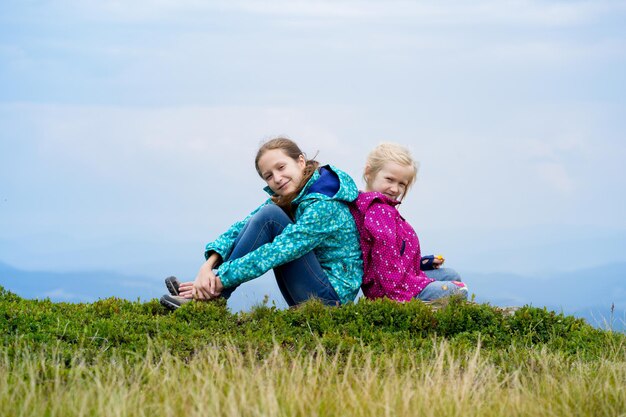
(185, 289)
(216, 286)
(438, 261)
(206, 286)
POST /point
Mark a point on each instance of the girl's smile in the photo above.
(281, 173)
(391, 180)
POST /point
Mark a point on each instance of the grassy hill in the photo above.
(115, 357)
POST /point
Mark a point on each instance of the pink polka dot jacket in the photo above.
(390, 248)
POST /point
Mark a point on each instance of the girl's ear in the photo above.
(367, 173)
(301, 161)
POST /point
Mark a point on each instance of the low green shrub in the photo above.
(129, 328)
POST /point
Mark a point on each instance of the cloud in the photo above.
(145, 171)
(552, 147)
(556, 176)
(126, 159)
(97, 138)
(451, 12)
(446, 12)
(61, 294)
(284, 53)
(541, 51)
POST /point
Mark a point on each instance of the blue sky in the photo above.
(129, 128)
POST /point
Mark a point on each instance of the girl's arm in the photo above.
(319, 219)
(206, 285)
(223, 245)
(203, 285)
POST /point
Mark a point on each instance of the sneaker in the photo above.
(172, 302)
(172, 285)
(462, 288)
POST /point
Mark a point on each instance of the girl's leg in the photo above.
(297, 280)
(439, 289)
(262, 228)
(443, 274)
(304, 278)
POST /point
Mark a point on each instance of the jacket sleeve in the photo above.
(318, 220)
(223, 245)
(385, 258)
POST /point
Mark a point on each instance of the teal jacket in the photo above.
(323, 224)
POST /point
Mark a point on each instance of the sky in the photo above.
(129, 129)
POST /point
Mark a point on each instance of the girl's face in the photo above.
(392, 180)
(281, 173)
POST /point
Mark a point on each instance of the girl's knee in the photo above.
(270, 212)
(270, 209)
(451, 274)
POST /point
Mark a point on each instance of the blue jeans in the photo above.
(443, 285)
(298, 280)
(443, 274)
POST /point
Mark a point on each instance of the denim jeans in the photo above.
(443, 274)
(298, 280)
(447, 283)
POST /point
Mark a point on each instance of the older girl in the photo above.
(392, 260)
(304, 232)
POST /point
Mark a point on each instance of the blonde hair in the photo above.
(389, 152)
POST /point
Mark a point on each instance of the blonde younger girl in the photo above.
(392, 262)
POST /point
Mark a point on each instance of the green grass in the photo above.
(116, 357)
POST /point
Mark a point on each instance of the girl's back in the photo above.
(390, 249)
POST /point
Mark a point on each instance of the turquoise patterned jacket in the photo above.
(322, 224)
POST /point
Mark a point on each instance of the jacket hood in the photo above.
(327, 178)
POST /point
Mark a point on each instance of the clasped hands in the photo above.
(438, 261)
(206, 286)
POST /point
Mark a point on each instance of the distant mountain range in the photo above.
(89, 286)
(83, 286)
(588, 293)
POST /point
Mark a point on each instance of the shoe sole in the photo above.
(168, 304)
(172, 285)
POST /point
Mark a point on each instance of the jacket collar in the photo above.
(367, 198)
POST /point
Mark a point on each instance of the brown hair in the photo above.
(292, 150)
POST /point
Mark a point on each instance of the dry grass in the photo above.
(227, 382)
